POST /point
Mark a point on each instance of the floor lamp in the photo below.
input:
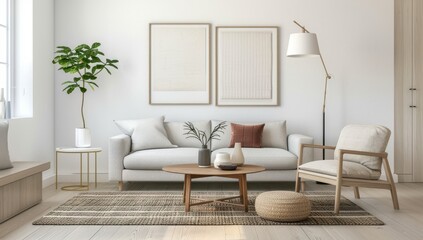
(305, 45)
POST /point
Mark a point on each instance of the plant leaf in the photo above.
(93, 83)
(70, 90)
(96, 45)
(111, 64)
(108, 70)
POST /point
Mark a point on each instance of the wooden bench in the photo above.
(20, 188)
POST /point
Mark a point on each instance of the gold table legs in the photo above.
(81, 186)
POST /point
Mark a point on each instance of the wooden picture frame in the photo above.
(179, 58)
(247, 66)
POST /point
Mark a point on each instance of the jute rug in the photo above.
(166, 208)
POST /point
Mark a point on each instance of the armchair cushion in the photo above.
(349, 169)
(368, 138)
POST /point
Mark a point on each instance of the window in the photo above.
(16, 58)
(5, 72)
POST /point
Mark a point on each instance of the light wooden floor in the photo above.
(406, 223)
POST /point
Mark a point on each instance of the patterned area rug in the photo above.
(166, 208)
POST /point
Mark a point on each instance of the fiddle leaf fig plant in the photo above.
(84, 63)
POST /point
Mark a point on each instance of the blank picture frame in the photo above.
(246, 66)
(179, 71)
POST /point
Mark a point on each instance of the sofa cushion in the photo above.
(349, 169)
(156, 159)
(247, 135)
(270, 158)
(175, 132)
(128, 126)
(274, 135)
(150, 134)
(4, 148)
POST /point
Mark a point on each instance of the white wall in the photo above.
(356, 40)
(32, 139)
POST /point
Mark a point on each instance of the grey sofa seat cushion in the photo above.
(156, 159)
(270, 158)
(350, 169)
(4, 150)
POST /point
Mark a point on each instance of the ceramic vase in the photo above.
(204, 157)
(237, 156)
(221, 158)
(82, 137)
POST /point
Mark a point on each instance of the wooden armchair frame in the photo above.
(340, 181)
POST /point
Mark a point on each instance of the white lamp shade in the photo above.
(303, 45)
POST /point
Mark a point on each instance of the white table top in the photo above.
(78, 150)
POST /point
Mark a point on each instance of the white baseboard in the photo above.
(383, 177)
(103, 177)
(48, 180)
(74, 178)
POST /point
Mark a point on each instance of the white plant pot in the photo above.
(82, 137)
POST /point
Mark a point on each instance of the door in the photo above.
(403, 95)
(417, 107)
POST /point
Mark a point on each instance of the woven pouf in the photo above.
(283, 206)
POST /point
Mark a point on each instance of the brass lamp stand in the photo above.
(304, 45)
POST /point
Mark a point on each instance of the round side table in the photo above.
(81, 152)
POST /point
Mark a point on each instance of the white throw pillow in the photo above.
(149, 134)
(176, 133)
(128, 126)
(4, 150)
(274, 135)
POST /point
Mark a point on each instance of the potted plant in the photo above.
(204, 152)
(84, 63)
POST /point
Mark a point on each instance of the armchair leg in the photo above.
(337, 198)
(297, 182)
(120, 185)
(392, 183)
(302, 186)
(356, 193)
(394, 197)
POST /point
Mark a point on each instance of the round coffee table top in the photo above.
(194, 169)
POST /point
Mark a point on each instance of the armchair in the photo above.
(359, 156)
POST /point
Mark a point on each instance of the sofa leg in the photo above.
(120, 185)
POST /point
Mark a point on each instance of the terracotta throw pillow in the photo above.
(247, 135)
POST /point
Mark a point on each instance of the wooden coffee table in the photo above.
(192, 171)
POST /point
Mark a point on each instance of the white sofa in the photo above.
(278, 154)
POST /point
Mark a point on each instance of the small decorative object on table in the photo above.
(228, 166)
(204, 153)
(85, 64)
(237, 156)
(222, 159)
